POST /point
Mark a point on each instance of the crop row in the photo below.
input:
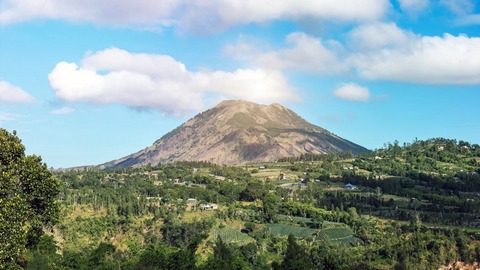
(230, 235)
(285, 230)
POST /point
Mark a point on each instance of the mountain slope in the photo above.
(235, 132)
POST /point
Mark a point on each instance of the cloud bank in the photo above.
(375, 51)
(402, 56)
(151, 81)
(12, 94)
(201, 15)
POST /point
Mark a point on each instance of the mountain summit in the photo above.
(236, 132)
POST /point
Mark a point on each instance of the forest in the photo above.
(409, 206)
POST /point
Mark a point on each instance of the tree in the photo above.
(249, 226)
(100, 258)
(27, 200)
(296, 258)
(225, 257)
(270, 206)
(254, 191)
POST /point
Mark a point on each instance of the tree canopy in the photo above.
(27, 199)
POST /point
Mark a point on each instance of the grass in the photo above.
(269, 173)
(338, 235)
(335, 233)
(285, 230)
(241, 120)
(231, 235)
(331, 224)
(189, 216)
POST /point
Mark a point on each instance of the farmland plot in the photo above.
(231, 235)
(285, 230)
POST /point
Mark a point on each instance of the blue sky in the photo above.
(85, 82)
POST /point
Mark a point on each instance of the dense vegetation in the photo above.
(27, 200)
(414, 206)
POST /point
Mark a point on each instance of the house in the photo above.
(208, 207)
(191, 200)
(350, 186)
(205, 207)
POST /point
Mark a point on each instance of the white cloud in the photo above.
(413, 6)
(376, 51)
(115, 76)
(459, 7)
(464, 11)
(471, 19)
(259, 85)
(64, 110)
(218, 14)
(201, 15)
(352, 92)
(378, 36)
(306, 53)
(403, 56)
(12, 94)
(116, 12)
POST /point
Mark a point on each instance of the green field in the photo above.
(231, 235)
(339, 235)
(285, 230)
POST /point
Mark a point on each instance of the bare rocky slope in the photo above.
(237, 132)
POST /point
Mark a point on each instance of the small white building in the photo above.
(350, 186)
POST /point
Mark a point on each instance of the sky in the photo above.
(87, 81)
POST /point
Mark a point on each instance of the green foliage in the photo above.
(143, 213)
(249, 226)
(225, 257)
(183, 234)
(271, 204)
(27, 199)
(44, 255)
(296, 258)
(253, 191)
(100, 257)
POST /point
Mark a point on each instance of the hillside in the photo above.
(411, 206)
(236, 132)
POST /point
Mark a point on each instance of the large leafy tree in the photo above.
(295, 257)
(270, 206)
(27, 200)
